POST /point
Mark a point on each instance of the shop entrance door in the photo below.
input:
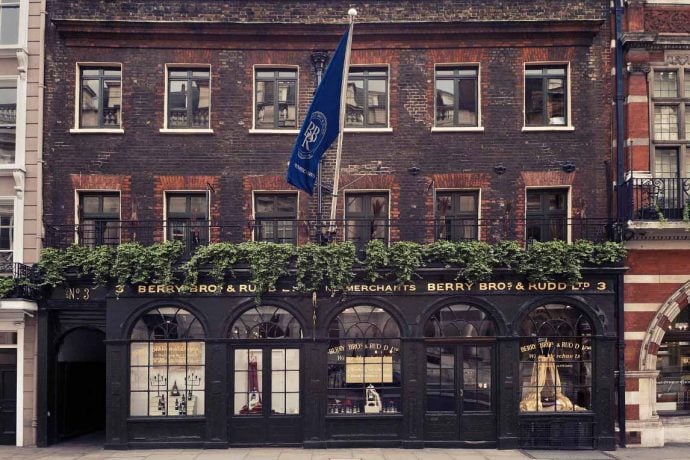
(459, 392)
(266, 395)
(8, 396)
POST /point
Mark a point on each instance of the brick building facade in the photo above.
(21, 105)
(656, 43)
(174, 120)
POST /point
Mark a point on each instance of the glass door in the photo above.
(459, 389)
(266, 395)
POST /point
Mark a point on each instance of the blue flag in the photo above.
(321, 125)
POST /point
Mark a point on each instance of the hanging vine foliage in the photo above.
(322, 268)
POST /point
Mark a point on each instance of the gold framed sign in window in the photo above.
(364, 367)
(369, 369)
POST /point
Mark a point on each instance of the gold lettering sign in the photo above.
(176, 353)
(369, 369)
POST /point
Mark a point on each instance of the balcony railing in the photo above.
(358, 230)
(654, 199)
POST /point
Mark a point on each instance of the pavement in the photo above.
(72, 451)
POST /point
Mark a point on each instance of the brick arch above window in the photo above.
(109, 183)
(452, 181)
(277, 184)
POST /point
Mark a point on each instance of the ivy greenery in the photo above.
(317, 268)
(7, 286)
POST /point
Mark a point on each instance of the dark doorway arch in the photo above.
(80, 383)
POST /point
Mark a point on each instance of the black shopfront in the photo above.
(504, 364)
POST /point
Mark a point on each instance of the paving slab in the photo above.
(567, 454)
(224, 454)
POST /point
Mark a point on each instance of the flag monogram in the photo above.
(321, 126)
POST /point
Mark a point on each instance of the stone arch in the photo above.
(659, 325)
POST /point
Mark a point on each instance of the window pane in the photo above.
(354, 203)
(9, 24)
(665, 123)
(178, 74)
(467, 104)
(665, 83)
(534, 102)
(445, 102)
(287, 110)
(91, 205)
(556, 102)
(265, 204)
(112, 102)
(177, 104)
(248, 381)
(686, 134)
(377, 102)
(687, 83)
(201, 98)
(199, 206)
(468, 203)
(90, 103)
(286, 203)
(111, 204)
(177, 204)
(666, 163)
(556, 201)
(444, 204)
(7, 144)
(355, 103)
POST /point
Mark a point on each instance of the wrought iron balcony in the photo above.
(655, 199)
(360, 231)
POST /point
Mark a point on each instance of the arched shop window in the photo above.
(266, 322)
(555, 360)
(363, 362)
(462, 363)
(673, 364)
(167, 364)
(260, 325)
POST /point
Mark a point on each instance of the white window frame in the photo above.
(180, 66)
(77, 99)
(188, 192)
(569, 101)
(568, 215)
(254, 129)
(275, 192)
(17, 228)
(454, 65)
(22, 28)
(368, 190)
(388, 128)
(77, 200)
(462, 189)
(20, 124)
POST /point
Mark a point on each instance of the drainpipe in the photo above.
(620, 177)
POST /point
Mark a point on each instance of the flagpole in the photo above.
(343, 104)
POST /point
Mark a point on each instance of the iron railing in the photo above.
(30, 279)
(359, 231)
(656, 198)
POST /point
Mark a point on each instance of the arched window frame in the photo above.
(364, 365)
(456, 321)
(265, 322)
(167, 364)
(556, 359)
